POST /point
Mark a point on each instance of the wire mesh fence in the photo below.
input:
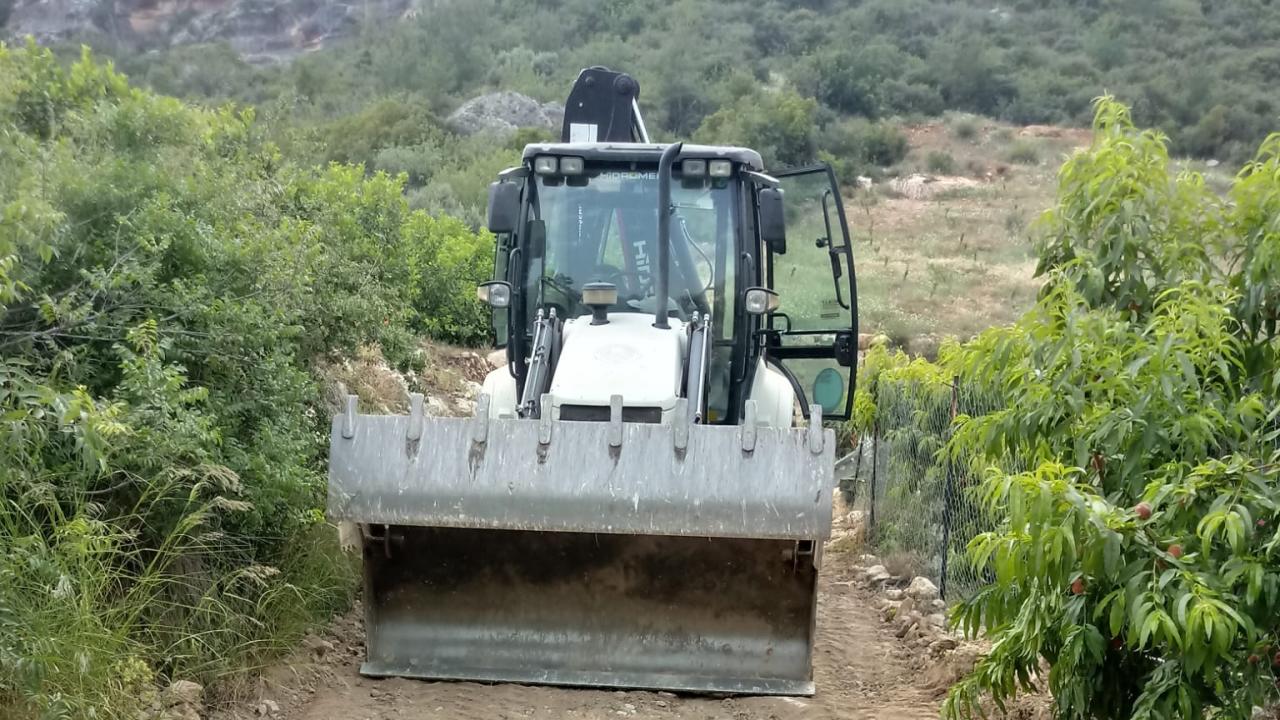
(919, 504)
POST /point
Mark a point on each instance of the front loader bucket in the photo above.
(587, 553)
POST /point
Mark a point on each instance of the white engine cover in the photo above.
(631, 358)
(627, 357)
(501, 389)
(775, 400)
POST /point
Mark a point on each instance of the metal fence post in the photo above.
(875, 463)
(948, 492)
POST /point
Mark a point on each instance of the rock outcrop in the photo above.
(502, 113)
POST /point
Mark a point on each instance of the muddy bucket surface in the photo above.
(660, 612)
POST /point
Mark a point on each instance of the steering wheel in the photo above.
(628, 283)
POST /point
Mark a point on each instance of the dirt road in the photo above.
(861, 670)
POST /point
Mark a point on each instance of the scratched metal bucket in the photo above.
(586, 553)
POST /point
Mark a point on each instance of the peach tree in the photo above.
(1137, 563)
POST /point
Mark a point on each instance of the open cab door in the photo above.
(813, 336)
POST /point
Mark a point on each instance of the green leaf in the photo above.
(1117, 614)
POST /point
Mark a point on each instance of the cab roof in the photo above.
(644, 152)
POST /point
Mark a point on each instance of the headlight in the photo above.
(758, 301)
(497, 293)
(545, 165)
(693, 168)
(571, 166)
(720, 168)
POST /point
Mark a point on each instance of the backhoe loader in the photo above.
(641, 498)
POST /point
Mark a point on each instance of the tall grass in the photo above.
(124, 563)
(102, 603)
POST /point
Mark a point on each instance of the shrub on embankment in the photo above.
(1138, 555)
(165, 284)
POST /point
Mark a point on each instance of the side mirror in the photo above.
(773, 223)
(504, 207)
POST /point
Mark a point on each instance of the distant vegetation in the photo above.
(1200, 71)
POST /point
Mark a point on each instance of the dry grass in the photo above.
(902, 564)
(448, 373)
(953, 255)
(380, 388)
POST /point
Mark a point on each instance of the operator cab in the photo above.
(597, 208)
(667, 269)
(577, 227)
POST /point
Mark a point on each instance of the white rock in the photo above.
(894, 594)
(907, 607)
(183, 692)
(349, 537)
(877, 573)
(923, 589)
(908, 623)
(437, 407)
(503, 113)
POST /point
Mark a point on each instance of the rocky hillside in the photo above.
(261, 30)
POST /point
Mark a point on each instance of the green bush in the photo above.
(940, 161)
(858, 146)
(779, 125)
(165, 284)
(1023, 152)
(965, 128)
(386, 124)
(1136, 556)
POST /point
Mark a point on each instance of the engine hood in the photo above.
(627, 357)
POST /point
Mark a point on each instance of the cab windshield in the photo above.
(602, 226)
